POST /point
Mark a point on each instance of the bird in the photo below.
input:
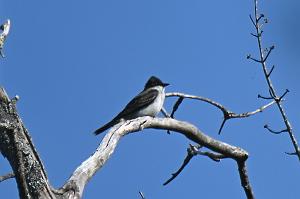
(148, 102)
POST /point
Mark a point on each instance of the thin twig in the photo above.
(176, 105)
(187, 159)
(142, 195)
(260, 17)
(254, 35)
(288, 153)
(272, 94)
(191, 152)
(252, 20)
(247, 114)
(269, 52)
(274, 132)
(254, 59)
(204, 99)
(222, 125)
(165, 113)
(267, 74)
(7, 176)
(282, 96)
(262, 97)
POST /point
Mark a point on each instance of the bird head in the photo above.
(154, 81)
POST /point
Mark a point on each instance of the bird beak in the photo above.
(165, 84)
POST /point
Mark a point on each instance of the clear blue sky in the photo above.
(75, 64)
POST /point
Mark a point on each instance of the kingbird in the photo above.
(149, 102)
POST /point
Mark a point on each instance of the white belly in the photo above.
(154, 108)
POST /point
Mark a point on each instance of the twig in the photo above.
(142, 195)
(176, 105)
(191, 152)
(165, 113)
(254, 59)
(282, 96)
(222, 125)
(216, 104)
(288, 153)
(226, 112)
(254, 35)
(267, 74)
(269, 52)
(260, 17)
(274, 132)
(7, 176)
(247, 114)
(262, 97)
(252, 20)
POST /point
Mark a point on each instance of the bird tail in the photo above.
(106, 126)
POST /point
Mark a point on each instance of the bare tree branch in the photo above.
(17, 147)
(164, 112)
(191, 152)
(245, 179)
(247, 114)
(89, 167)
(176, 105)
(226, 112)
(5, 31)
(204, 99)
(7, 176)
(274, 132)
(262, 59)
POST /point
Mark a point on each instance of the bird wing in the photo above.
(140, 101)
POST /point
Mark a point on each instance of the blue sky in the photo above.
(75, 64)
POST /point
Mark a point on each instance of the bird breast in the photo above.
(154, 108)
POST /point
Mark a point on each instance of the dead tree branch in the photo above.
(262, 60)
(7, 176)
(191, 152)
(89, 167)
(5, 31)
(17, 147)
(227, 114)
(245, 179)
